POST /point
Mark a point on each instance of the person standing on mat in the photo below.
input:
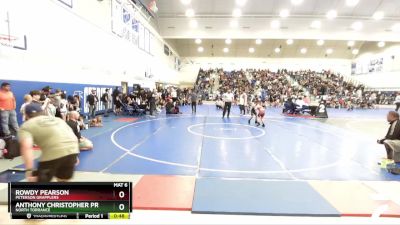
(8, 115)
(228, 98)
(397, 102)
(92, 100)
(193, 98)
(242, 103)
(392, 138)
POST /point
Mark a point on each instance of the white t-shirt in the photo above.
(397, 100)
(243, 99)
(228, 97)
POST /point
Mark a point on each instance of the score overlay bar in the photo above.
(79, 200)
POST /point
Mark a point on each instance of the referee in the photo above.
(228, 99)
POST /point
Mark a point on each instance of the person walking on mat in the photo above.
(228, 98)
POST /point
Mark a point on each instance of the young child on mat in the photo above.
(260, 109)
(96, 122)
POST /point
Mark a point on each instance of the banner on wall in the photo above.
(374, 65)
(141, 36)
(124, 22)
(152, 44)
(146, 40)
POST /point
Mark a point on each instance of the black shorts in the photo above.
(253, 112)
(62, 168)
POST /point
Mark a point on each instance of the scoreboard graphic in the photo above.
(104, 200)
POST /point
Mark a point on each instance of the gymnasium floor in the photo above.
(209, 165)
(342, 147)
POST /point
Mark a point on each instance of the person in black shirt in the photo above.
(92, 100)
(392, 138)
(84, 143)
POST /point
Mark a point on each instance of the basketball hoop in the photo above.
(7, 40)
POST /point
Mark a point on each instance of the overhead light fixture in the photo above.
(277, 50)
(289, 42)
(228, 41)
(189, 13)
(234, 24)
(303, 50)
(258, 41)
(198, 41)
(186, 2)
(357, 26)
(316, 24)
(396, 27)
(352, 2)
(355, 51)
(193, 23)
(252, 50)
(237, 13)
(200, 49)
(381, 44)
(284, 13)
(351, 43)
(378, 15)
(275, 24)
(320, 42)
(331, 14)
(296, 2)
(329, 51)
(226, 50)
(241, 2)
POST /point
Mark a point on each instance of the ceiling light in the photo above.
(329, 51)
(258, 41)
(357, 26)
(352, 2)
(396, 27)
(193, 23)
(252, 50)
(241, 2)
(198, 41)
(320, 42)
(378, 15)
(277, 50)
(200, 49)
(331, 14)
(316, 24)
(234, 24)
(186, 2)
(355, 51)
(351, 43)
(237, 13)
(275, 24)
(228, 41)
(303, 51)
(381, 44)
(284, 13)
(296, 2)
(289, 42)
(189, 13)
(226, 50)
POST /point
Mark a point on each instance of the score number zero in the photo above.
(121, 194)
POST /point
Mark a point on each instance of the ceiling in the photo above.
(240, 48)
(214, 17)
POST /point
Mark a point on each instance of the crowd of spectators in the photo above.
(276, 86)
